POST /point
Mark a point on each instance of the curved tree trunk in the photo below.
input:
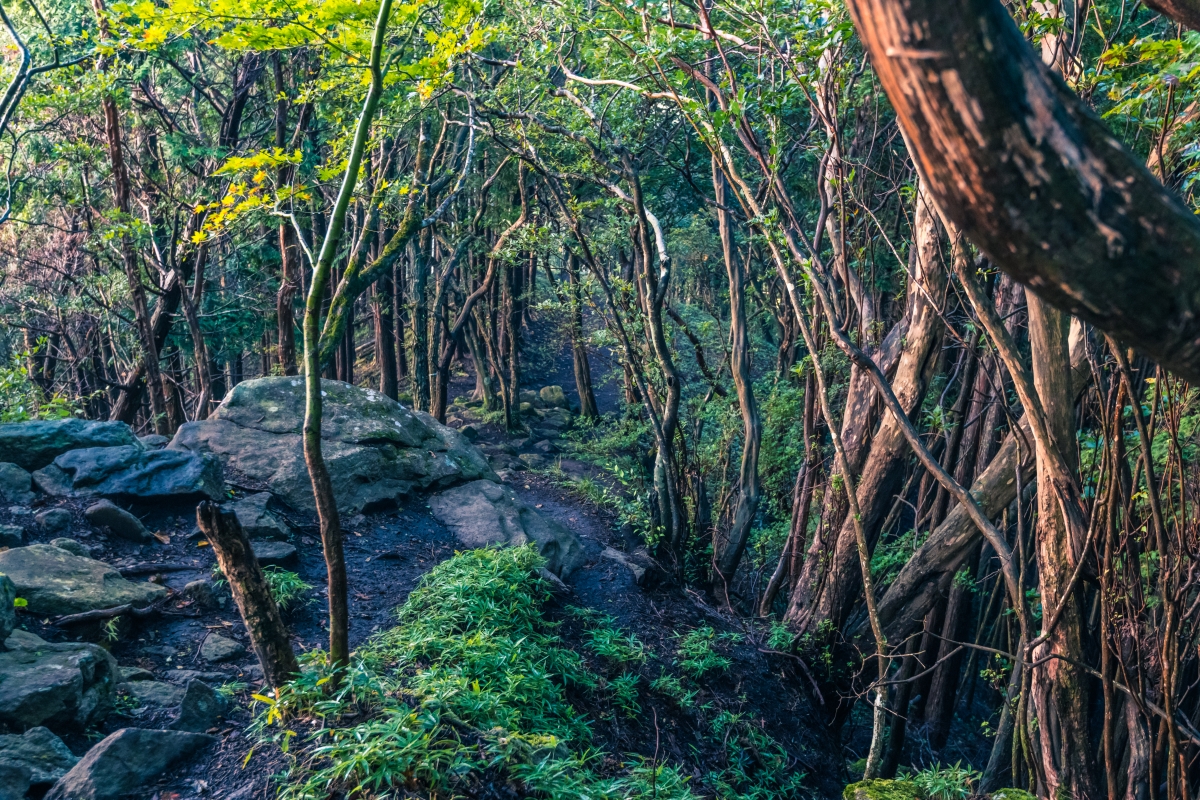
(1035, 180)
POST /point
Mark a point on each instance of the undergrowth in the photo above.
(470, 695)
(469, 688)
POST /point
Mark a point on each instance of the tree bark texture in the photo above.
(268, 635)
(1034, 178)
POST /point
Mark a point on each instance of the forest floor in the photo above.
(386, 555)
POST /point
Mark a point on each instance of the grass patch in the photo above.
(286, 587)
(470, 689)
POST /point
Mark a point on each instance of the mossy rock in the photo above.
(883, 790)
(1011, 794)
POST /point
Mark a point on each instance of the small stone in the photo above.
(532, 460)
(53, 520)
(217, 648)
(154, 441)
(272, 553)
(526, 408)
(12, 536)
(131, 674)
(544, 447)
(470, 433)
(124, 761)
(120, 522)
(71, 546)
(553, 396)
(156, 694)
(204, 595)
(15, 484)
(200, 709)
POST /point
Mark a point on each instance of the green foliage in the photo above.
(883, 790)
(22, 400)
(698, 656)
(615, 647)
(947, 783)
(670, 686)
(756, 767)
(470, 686)
(286, 587)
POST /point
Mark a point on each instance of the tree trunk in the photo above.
(1034, 178)
(749, 490)
(1060, 689)
(268, 635)
(837, 577)
(385, 343)
(129, 259)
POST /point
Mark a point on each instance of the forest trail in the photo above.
(387, 553)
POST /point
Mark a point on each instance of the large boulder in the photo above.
(483, 514)
(61, 686)
(553, 397)
(15, 484)
(125, 761)
(55, 582)
(132, 472)
(376, 450)
(47, 758)
(33, 445)
(201, 708)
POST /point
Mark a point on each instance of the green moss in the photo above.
(883, 790)
(1011, 794)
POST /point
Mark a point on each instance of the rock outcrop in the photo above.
(33, 445)
(53, 581)
(132, 472)
(483, 514)
(377, 451)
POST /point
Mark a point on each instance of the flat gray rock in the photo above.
(56, 582)
(126, 760)
(131, 472)
(156, 694)
(217, 648)
(377, 451)
(272, 553)
(47, 758)
(122, 524)
(154, 441)
(33, 445)
(62, 686)
(16, 486)
(483, 514)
